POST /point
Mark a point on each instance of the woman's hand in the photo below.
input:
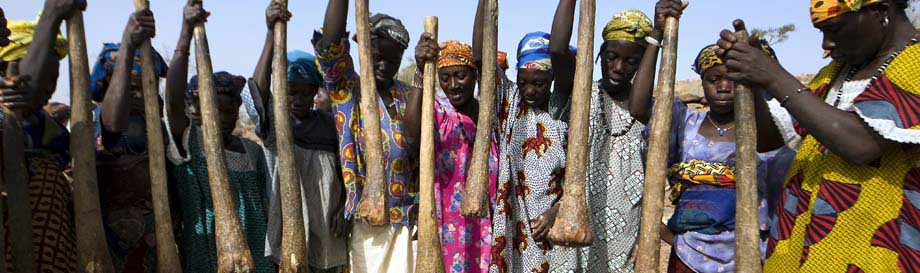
(62, 9)
(194, 14)
(141, 27)
(426, 50)
(544, 223)
(276, 13)
(665, 9)
(747, 62)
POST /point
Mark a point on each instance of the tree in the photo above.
(407, 72)
(775, 35)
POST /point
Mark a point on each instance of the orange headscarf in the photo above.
(455, 53)
(822, 10)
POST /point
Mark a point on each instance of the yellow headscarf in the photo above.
(454, 53)
(822, 10)
(631, 26)
(709, 57)
(21, 38)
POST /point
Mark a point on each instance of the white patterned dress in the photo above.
(532, 166)
(614, 185)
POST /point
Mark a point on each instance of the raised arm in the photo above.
(640, 99)
(41, 56)
(426, 51)
(335, 21)
(563, 59)
(115, 106)
(177, 76)
(477, 34)
(263, 72)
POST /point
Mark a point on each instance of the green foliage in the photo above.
(407, 72)
(774, 35)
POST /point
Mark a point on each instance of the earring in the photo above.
(885, 23)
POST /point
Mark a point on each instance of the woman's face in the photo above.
(619, 62)
(458, 83)
(853, 37)
(534, 86)
(301, 98)
(387, 57)
(719, 90)
(228, 109)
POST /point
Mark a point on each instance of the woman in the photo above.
(531, 153)
(389, 39)
(122, 162)
(615, 166)
(322, 190)
(35, 48)
(702, 173)
(245, 162)
(851, 200)
(465, 242)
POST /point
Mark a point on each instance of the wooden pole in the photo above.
(475, 202)
(572, 227)
(17, 186)
(294, 240)
(747, 228)
(429, 242)
(233, 255)
(372, 206)
(657, 161)
(91, 242)
(167, 250)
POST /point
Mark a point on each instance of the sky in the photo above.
(236, 29)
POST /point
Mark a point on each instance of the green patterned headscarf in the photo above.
(630, 26)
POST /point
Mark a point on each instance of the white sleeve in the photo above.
(783, 121)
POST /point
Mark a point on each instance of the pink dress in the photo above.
(465, 241)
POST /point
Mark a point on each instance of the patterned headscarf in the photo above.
(224, 84)
(302, 68)
(386, 26)
(105, 68)
(454, 53)
(533, 52)
(822, 10)
(503, 60)
(630, 26)
(21, 38)
(709, 57)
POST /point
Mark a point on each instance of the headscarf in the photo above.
(533, 52)
(224, 84)
(630, 26)
(822, 10)
(503, 60)
(21, 38)
(709, 57)
(455, 53)
(386, 26)
(105, 68)
(302, 68)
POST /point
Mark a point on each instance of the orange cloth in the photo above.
(822, 10)
(454, 53)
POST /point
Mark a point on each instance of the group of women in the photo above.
(838, 166)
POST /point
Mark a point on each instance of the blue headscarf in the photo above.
(105, 67)
(302, 68)
(533, 52)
